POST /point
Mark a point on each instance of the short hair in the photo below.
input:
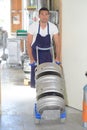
(43, 9)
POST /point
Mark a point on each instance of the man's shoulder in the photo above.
(53, 28)
(33, 27)
(51, 24)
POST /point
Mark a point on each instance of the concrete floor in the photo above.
(18, 106)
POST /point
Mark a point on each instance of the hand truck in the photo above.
(49, 83)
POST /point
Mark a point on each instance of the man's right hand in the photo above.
(32, 63)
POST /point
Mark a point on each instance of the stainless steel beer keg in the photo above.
(49, 87)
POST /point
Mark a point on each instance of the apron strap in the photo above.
(47, 28)
(39, 28)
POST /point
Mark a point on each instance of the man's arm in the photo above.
(57, 47)
(29, 48)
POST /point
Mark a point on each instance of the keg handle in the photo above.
(44, 49)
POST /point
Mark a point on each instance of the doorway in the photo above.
(60, 28)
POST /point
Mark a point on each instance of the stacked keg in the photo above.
(49, 87)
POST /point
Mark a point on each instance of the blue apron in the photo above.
(44, 55)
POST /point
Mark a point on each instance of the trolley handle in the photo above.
(44, 49)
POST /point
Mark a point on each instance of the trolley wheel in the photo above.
(63, 116)
(37, 115)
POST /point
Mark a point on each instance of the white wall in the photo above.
(74, 49)
(5, 15)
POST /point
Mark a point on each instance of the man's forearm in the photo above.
(57, 47)
(29, 48)
(29, 51)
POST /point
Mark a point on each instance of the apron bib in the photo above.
(44, 55)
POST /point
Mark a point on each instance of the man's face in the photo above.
(44, 16)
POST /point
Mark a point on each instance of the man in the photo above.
(41, 34)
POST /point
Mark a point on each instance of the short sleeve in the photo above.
(31, 29)
(53, 29)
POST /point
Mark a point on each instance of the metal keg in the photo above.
(49, 87)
